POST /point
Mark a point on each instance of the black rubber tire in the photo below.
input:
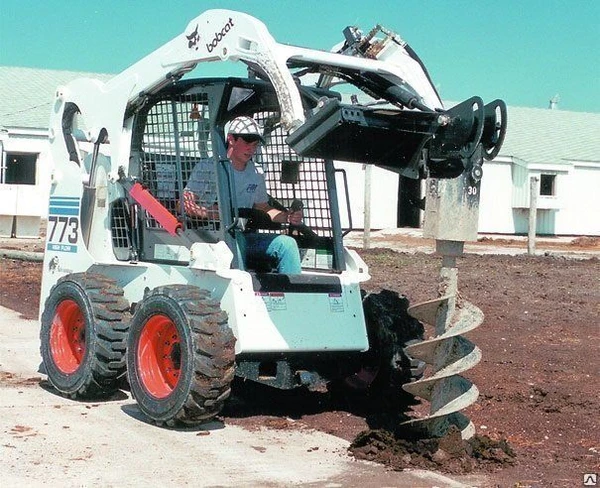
(181, 356)
(390, 330)
(83, 335)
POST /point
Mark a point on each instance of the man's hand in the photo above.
(295, 218)
(296, 212)
(281, 216)
(192, 208)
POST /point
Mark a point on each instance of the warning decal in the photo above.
(273, 300)
(336, 303)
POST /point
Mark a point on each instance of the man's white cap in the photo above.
(242, 126)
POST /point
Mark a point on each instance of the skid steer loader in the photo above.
(133, 286)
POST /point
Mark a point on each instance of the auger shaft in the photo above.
(448, 284)
(448, 287)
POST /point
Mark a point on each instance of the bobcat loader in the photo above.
(132, 286)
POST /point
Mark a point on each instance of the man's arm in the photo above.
(280, 216)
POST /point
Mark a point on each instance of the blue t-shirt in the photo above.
(249, 184)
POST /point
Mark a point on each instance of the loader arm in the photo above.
(220, 35)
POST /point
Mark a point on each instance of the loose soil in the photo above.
(537, 414)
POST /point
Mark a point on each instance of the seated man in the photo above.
(243, 137)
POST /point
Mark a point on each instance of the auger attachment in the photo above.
(451, 214)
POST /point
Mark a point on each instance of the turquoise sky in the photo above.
(525, 51)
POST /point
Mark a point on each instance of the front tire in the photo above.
(83, 335)
(181, 356)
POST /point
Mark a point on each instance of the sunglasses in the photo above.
(249, 138)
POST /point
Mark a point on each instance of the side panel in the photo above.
(262, 321)
(301, 322)
(65, 248)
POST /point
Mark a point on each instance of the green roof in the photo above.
(552, 136)
(26, 94)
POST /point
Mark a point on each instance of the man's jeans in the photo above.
(281, 249)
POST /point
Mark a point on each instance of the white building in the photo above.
(561, 148)
(26, 96)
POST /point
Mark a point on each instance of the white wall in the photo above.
(580, 197)
(495, 202)
(384, 196)
(29, 203)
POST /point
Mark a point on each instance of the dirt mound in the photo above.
(448, 454)
(499, 241)
(589, 242)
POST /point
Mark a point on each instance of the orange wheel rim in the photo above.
(159, 356)
(67, 336)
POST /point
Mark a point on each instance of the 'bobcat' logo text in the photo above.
(219, 36)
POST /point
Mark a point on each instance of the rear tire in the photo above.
(181, 356)
(83, 335)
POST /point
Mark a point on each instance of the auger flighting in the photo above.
(447, 352)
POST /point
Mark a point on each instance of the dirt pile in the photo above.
(586, 242)
(448, 454)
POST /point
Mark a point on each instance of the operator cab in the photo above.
(184, 125)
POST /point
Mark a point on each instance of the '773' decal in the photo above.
(63, 229)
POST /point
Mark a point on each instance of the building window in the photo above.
(20, 169)
(548, 185)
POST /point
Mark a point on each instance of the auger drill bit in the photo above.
(447, 352)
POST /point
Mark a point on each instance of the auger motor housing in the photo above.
(452, 205)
